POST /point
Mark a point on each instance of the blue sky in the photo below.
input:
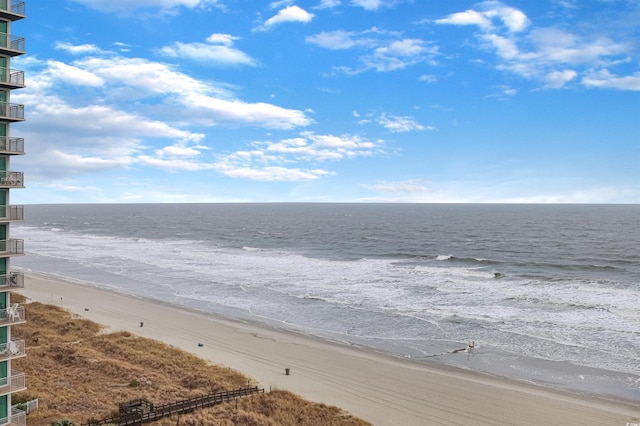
(330, 101)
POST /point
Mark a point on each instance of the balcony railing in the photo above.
(11, 246)
(15, 383)
(12, 179)
(9, 145)
(13, 78)
(12, 315)
(11, 213)
(13, 112)
(18, 418)
(9, 10)
(12, 349)
(13, 45)
(12, 280)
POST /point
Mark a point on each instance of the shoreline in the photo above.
(379, 388)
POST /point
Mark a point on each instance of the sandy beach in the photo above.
(380, 389)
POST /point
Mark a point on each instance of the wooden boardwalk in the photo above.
(142, 411)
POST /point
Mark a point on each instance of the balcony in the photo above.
(13, 315)
(13, 10)
(11, 213)
(11, 112)
(11, 247)
(11, 45)
(11, 79)
(15, 383)
(11, 180)
(11, 281)
(18, 418)
(12, 349)
(11, 146)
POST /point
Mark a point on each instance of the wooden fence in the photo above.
(149, 413)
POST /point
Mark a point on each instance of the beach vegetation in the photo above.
(78, 371)
(64, 422)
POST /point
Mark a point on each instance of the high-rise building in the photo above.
(11, 381)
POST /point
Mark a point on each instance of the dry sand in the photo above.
(380, 389)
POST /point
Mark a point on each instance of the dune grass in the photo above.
(77, 372)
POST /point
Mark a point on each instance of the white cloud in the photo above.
(73, 75)
(277, 4)
(219, 51)
(103, 139)
(129, 6)
(73, 188)
(88, 123)
(398, 124)
(334, 40)
(567, 4)
(329, 4)
(71, 164)
(375, 4)
(428, 78)
(281, 160)
(505, 47)
(406, 186)
(558, 46)
(224, 39)
(604, 79)
(173, 164)
(207, 104)
(174, 151)
(313, 147)
(514, 19)
(557, 79)
(468, 17)
(108, 135)
(543, 54)
(216, 111)
(399, 54)
(288, 14)
(81, 49)
(274, 174)
(145, 76)
(384, 51)
(604, 195)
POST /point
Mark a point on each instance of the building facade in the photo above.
(11, 381)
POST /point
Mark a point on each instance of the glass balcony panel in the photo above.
(13, 10)
(11, 213)
(9, 77)
(11, 246)
(9, 145)
(12, 179)
(14, 45)
(14, 314)
(15, 383)
(12, 349)
(11, 281)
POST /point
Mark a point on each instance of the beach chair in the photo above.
(14, 312)
(10, 349)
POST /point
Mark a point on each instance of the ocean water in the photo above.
(549, 294)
